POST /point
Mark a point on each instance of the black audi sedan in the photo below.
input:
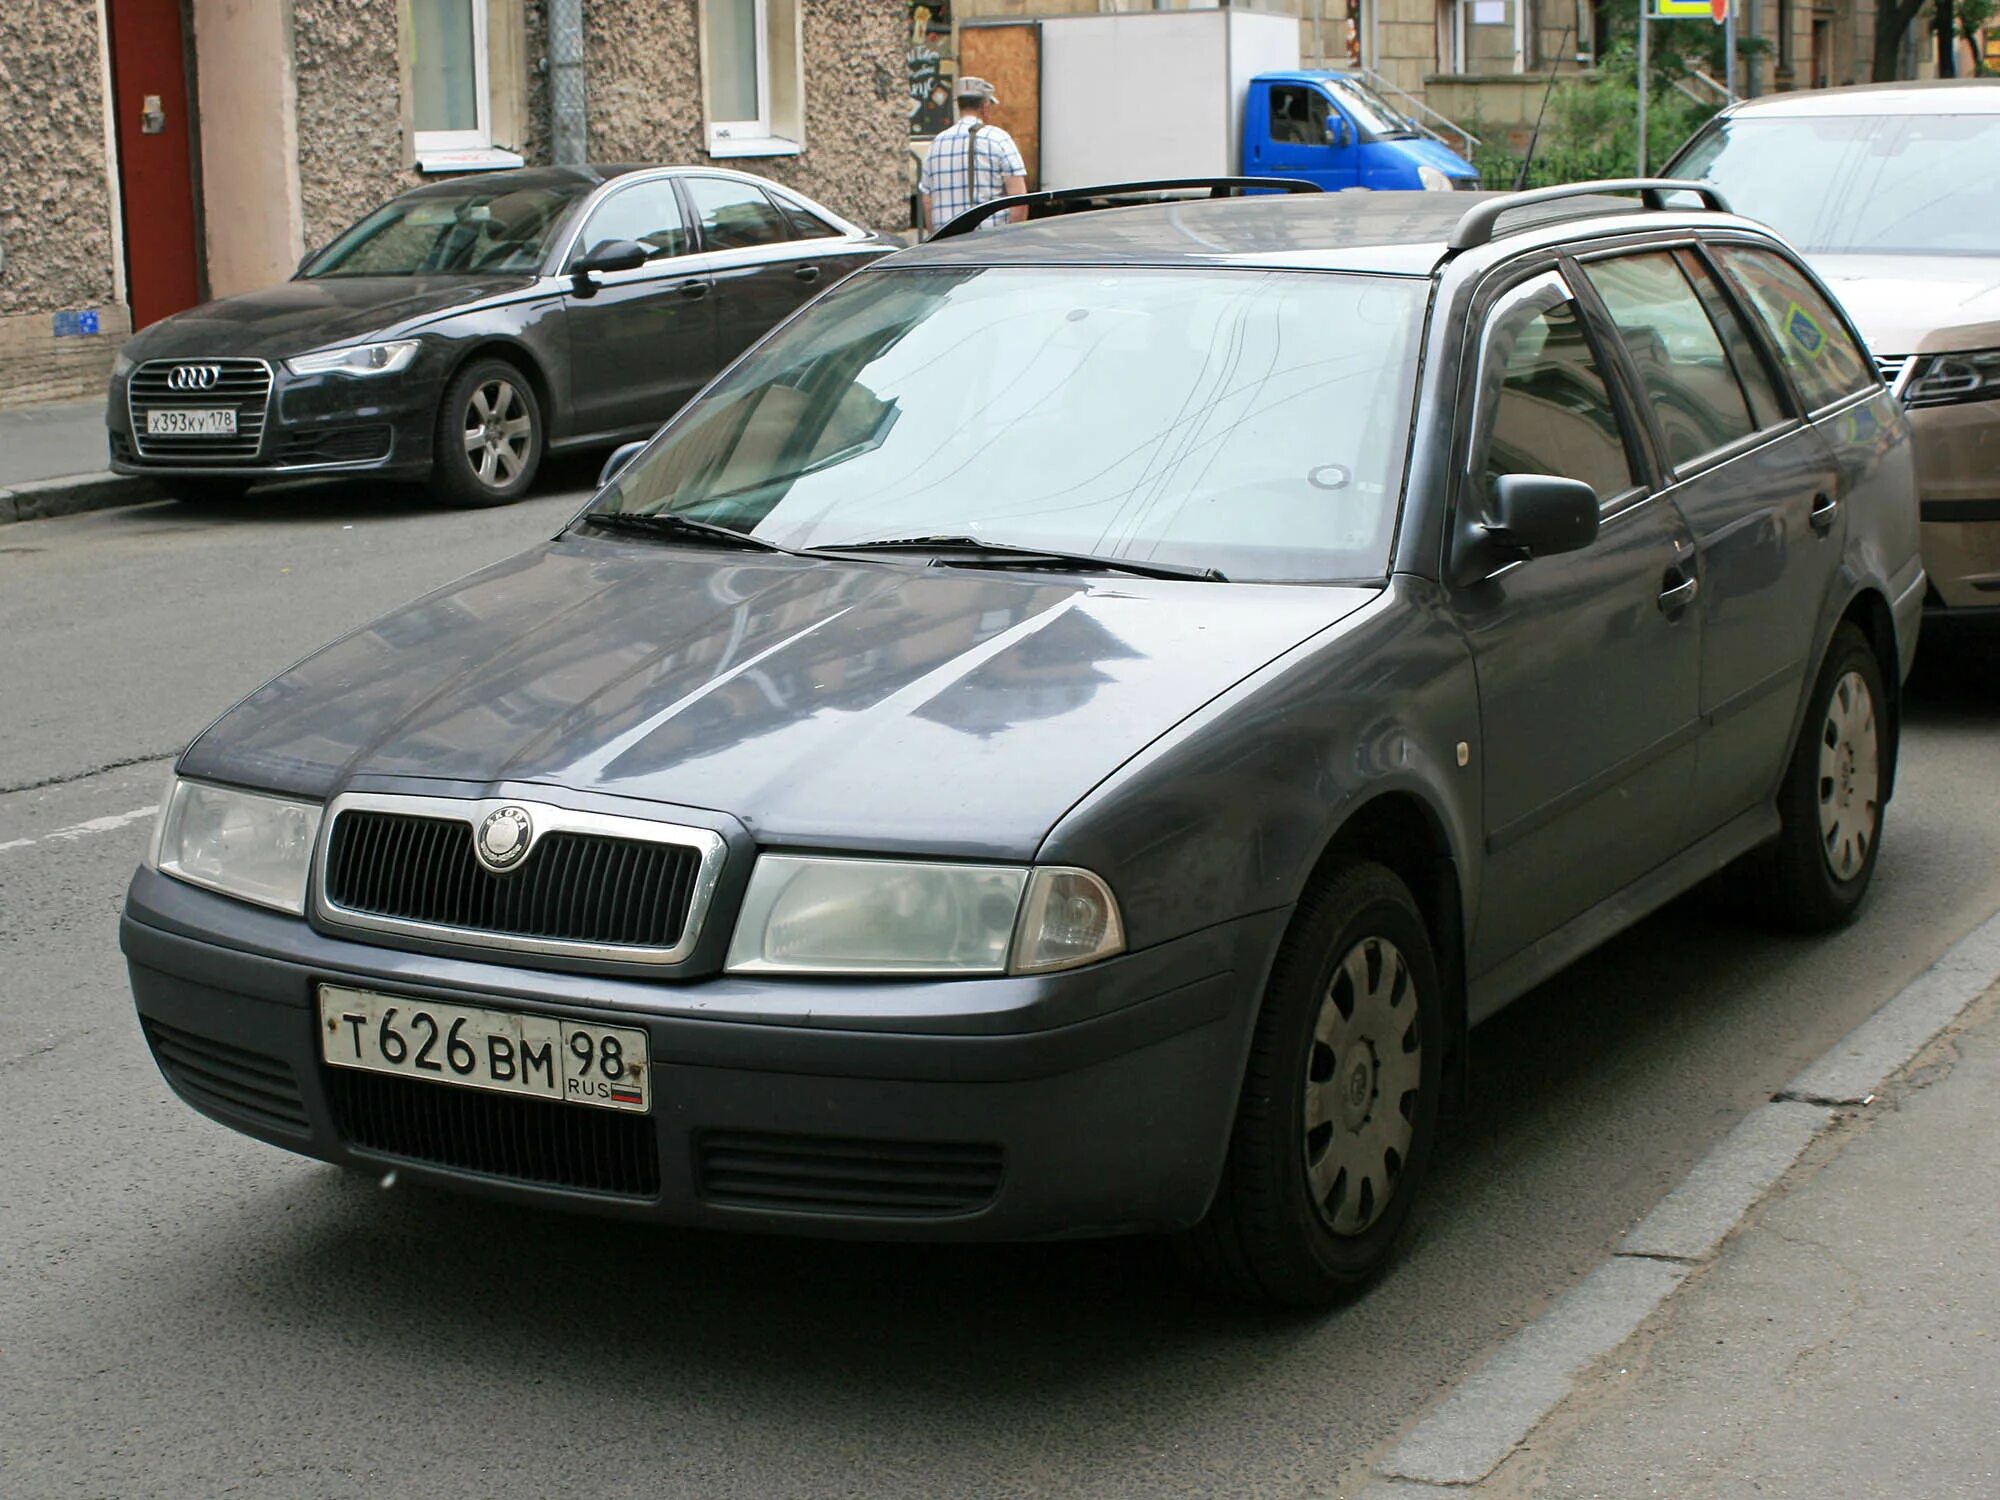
(463, 330)
(1101, 790)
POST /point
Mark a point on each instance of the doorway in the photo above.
(154, 129)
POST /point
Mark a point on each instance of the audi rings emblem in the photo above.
(504, 838)
(193, 377)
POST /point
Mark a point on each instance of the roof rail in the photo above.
(1476, 228)
(1080, 200)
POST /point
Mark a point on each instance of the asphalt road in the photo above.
(187, 1312)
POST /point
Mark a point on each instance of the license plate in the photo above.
(499, 1050)
(218, 421)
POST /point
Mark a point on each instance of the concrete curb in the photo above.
(1473, 1430)
(37, 499)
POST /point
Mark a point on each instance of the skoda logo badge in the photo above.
(504, 838)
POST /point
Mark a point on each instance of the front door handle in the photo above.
(694, 291)
(1679, 592)
(1824, 509)
(806, 273)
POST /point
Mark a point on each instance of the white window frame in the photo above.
(461, 150)
(752, 137)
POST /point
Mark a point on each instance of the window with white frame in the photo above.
(752, 82)
(450, 53)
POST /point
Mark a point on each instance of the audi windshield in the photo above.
(1253, 423)
(1917, 184)
(470, 231)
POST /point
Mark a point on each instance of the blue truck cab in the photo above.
(1334, 130)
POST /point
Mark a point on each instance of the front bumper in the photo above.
(312, 425)
(1093, 1102)
(1958, 487)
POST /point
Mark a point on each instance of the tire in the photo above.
(1290, 1226)
(209, 492)
(1830, 804)
(489, 436)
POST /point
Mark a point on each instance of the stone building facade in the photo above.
(290, 118)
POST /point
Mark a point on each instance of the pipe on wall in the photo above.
(569, 132)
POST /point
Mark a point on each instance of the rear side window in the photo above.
(734, 215)
(1554, 414)
(1751, 371)
(1814, 344)
(1677, 354)
(806, 225)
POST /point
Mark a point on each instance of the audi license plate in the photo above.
(214, 421)
(476, 1048)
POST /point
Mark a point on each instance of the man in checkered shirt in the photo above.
(972, 163)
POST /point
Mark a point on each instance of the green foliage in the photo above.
(1592, 125)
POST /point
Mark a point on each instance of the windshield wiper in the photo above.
(1007, 555)
(681, 528)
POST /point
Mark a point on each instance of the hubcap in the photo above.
(1362, 1074)
(497, 433)
(1849, 782)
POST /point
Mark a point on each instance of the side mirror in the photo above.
(607, 255)
(1535, 515)
(1336, 133)
(615, 465)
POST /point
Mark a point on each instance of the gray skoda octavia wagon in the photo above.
(1070, 733)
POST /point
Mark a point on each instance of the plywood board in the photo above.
(1010, 58)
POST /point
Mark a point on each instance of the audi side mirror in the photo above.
(620, 457)
(1533, 515)
(606, 255)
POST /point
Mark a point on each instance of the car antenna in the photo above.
(1534, 139)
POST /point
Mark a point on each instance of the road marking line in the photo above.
(83, 830)
(1490, 1413)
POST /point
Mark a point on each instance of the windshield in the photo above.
(1368, 109)
(476, 229)
(1253, 422)
(1861, 184)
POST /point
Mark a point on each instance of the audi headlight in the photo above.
(358, 359)
(121, 365)
(811, 915)
(1941, 378)
(243, 844)
(1431, 180)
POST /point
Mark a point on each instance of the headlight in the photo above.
(806, 915)
(121, 364)
(252, 847)
(360, 359)
(1433, 181)
(1940, 378)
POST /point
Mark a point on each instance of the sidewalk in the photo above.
(53, 462)
(1846, 1340)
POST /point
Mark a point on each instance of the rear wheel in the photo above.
(1339, 1110)
(1830, 805)
(489, 435)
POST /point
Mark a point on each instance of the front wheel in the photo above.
(1339, 1110)
(489, 435)
(1830, 804)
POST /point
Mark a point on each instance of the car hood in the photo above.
(295, 316)
(1434, 153)
(885, 706)
(1915, 304)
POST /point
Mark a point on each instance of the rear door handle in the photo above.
(1679, 592)
(806, 273)
(694, 291)
(1824, 509)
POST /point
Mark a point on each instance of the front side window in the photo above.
(1808, 333)
(469, 229)
(648, 212)
(448, 87)
(1550, 409)
(1247, 421)
(1676, 353)
(734, 215)
(1300, 116)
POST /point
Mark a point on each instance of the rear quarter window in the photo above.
(1809, 335)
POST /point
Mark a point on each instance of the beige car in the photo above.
(1892, 191)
